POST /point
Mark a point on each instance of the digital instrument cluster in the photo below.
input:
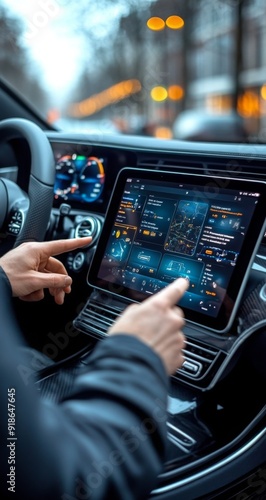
(79, 178)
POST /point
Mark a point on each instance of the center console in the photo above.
(160, 226)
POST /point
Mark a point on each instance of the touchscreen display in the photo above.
(162, 225)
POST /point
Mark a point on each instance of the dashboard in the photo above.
(186, 230)
(156, 210)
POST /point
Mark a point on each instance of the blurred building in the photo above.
(217, 58)
(227, 61)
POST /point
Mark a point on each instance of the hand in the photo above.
(31, 268)
(158, 322)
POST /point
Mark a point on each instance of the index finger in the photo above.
(172, 293)
(57, 247)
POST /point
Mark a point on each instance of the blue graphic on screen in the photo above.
(186, 226)
(144, 260)
(173, 267)
(120, 244)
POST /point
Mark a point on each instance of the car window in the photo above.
(182, 69)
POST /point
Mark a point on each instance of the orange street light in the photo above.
(172, 22)
(156, 24)
(175, 92)
(263, 91)
(159, 94)
(175, 22)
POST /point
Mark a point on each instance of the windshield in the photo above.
(184, 69)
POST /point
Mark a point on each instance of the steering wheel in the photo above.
(24, 216)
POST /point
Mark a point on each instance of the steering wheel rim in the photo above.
(41, 179)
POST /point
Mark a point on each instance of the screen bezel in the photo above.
(223, 322)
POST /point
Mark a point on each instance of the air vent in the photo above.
(198, 359)
(95, 320)
(99, 314)
(175, 165)
(201, 362)
(210, 165)
(89, 226)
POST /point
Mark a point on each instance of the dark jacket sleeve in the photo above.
(106, 441)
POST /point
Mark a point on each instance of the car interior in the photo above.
(156, 209)
(143, 125)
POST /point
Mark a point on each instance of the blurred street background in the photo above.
(140, 67)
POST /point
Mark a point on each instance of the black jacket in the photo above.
(106, 441)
